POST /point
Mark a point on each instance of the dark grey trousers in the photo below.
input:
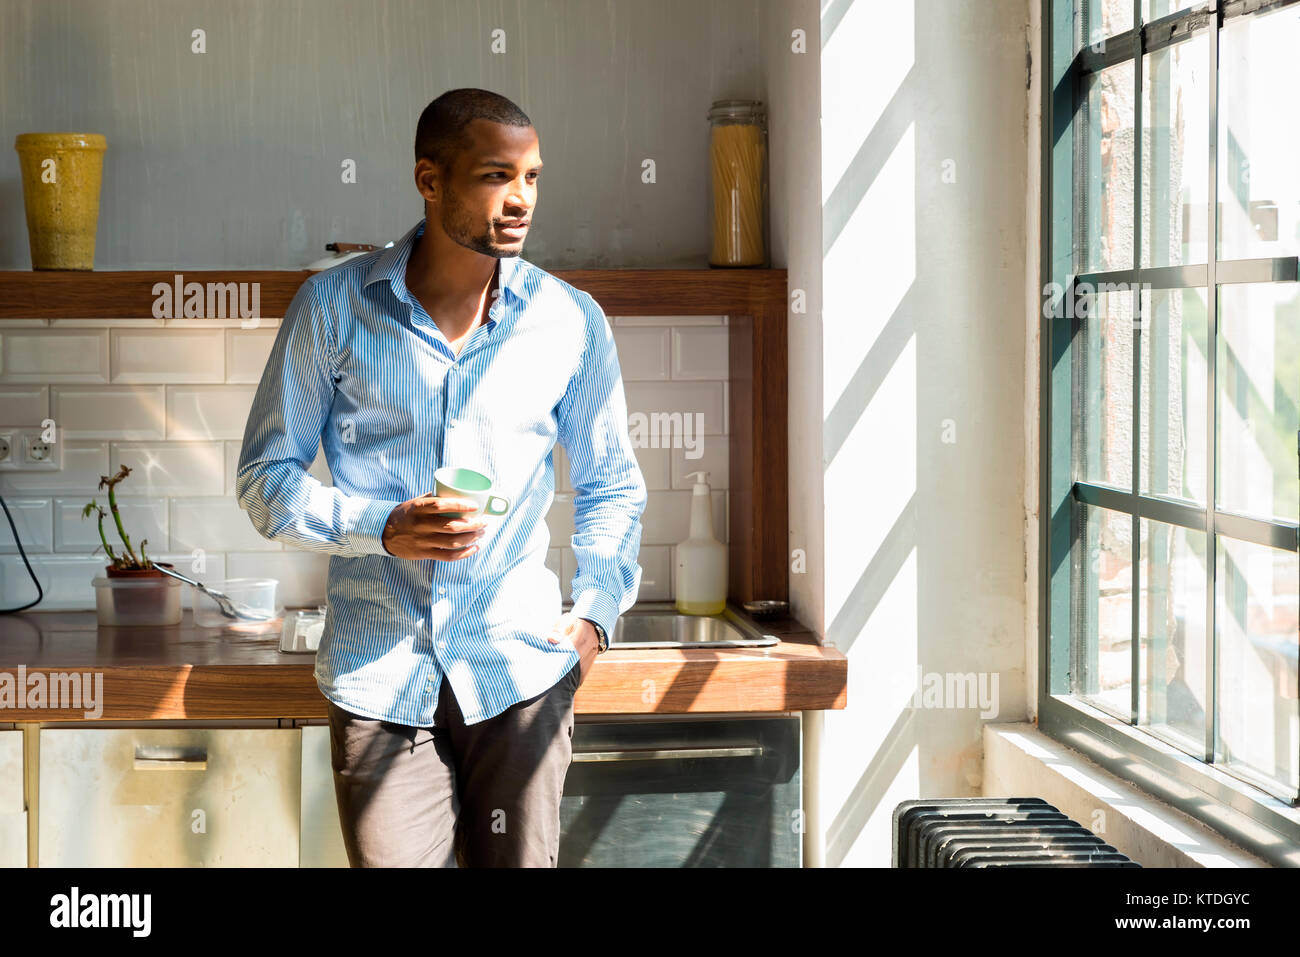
(479, 795)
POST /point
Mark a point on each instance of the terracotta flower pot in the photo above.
(61, 174)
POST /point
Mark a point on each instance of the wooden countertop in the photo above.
(184, 672)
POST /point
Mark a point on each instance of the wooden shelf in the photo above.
(29, 294)
(754, 300)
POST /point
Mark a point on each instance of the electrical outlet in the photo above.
(40, 453)
(26, 449)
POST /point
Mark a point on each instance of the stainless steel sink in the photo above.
(659, 625)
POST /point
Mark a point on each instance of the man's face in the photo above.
(492, 186)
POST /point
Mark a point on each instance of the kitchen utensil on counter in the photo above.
(302, 630)
(343, 252)
(255, 600)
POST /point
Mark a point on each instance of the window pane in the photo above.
(1175, 153)
(1102, 669)
(1174, 422)
(1259, 139)
(1171, 664)
(1105, 18)
(1258, 627)
(1106, 391)
(1259, 397)
(1106, 183)
(1155, 9)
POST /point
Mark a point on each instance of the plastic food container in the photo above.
(135, 601)
(260, 595)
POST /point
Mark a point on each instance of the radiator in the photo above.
(995, 832)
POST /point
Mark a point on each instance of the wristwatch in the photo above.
(602, 641)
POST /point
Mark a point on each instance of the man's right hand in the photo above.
(427, 527)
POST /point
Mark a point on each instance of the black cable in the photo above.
(40, 592)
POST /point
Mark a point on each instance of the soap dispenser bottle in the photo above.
(701, 582)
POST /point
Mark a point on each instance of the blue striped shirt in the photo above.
(360, 368)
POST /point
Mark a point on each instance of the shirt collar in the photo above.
(392, 266)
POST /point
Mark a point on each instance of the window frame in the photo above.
(1248, 812)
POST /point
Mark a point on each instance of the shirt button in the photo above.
(442, 590)
(442, 644)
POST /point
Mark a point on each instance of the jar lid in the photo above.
(729, 108)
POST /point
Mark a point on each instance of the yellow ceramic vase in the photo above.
(61, 179)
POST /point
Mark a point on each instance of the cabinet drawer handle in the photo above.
(172, 762)
(669, 754)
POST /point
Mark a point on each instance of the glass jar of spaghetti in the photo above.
(738, 170)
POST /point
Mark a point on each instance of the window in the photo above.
(1170, 478)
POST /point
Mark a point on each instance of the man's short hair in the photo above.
(440, 135)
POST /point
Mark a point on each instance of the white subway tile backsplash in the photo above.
(77, 323)
(667, 517)
(560, 462)
(247, 352)
(172, 468)
(35, 527)
(650, 406)
(699, 352)
(656, 573)
(559, 519)
(178, 417)
(112, 412)
(656, 467)
(167, 355)
(215, 525)
(303, 575)
(84, 462)
(65, 581)
(714, 457)
(208, 411)
(50, 355)
(24, 404)
(643, 352)
(145, 519)
(667, 320)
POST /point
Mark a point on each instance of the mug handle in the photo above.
(489, 510)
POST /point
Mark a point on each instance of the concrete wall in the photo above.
(232, 158)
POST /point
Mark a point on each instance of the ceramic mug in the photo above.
(455, 482)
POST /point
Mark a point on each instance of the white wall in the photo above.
(908, 404)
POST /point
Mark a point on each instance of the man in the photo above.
(449, 677)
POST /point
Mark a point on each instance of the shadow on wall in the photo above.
(924, 160)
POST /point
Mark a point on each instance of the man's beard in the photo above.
(462, 229)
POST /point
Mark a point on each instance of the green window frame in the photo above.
(1169, 483)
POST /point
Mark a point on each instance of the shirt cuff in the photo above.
(598, 606)
(366, 536)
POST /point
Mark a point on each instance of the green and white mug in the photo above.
(455, 482)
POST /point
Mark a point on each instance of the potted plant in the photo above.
(136, 605)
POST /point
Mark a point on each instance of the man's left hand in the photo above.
(582, 634)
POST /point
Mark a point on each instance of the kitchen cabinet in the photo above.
(13, 813)
(169, 797)
(321, 834)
